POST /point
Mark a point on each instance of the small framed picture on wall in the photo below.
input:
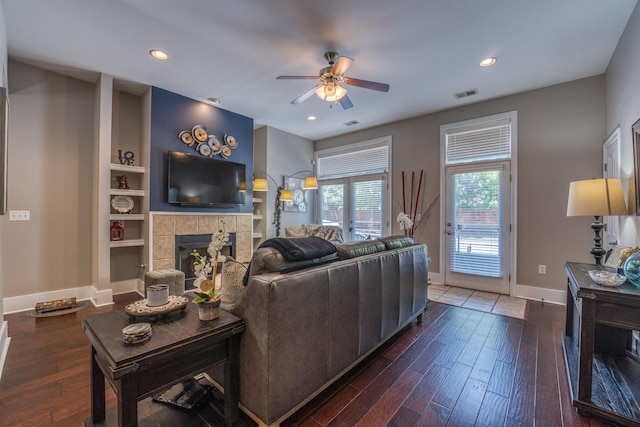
(300, 201)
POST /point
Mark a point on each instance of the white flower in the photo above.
(404, 221)
(204, 266)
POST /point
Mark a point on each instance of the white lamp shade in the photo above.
(596, 197)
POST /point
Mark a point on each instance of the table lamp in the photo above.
(596, 197)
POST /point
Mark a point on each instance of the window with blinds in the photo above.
(353, 188)
(367, 204)
(358, 160)
(476, 219)
(479, 142)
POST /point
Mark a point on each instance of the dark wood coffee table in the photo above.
(181, 345)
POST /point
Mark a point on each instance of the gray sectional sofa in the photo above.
(308, 325)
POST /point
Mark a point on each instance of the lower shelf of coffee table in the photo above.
(155, 414)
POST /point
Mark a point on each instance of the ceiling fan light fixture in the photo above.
(330, 92)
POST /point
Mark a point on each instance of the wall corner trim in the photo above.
(5, 340)
(552, 296)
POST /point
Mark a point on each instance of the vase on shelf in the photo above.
(632, 268)
(209, 310)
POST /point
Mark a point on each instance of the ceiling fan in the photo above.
(329, 89)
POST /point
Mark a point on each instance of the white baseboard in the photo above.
(101, 298)
(552, 296)
(82, 293)
(434, 278)
(5, 340)
(28, 302)
(126, 286)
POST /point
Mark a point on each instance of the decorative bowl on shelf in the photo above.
(607, 278)
(122, 204)
(632, 268)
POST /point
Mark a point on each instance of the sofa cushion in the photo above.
(301, 248)
(231, 281)
(270, 260)
(396, 242)
(331, 233)
(356, 249)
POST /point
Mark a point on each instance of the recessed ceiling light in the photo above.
(311, 118)
(488, 62)
(213, 101)
(158, 54)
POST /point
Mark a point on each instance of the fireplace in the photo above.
(185, 244)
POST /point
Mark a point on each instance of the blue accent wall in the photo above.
(172, 113)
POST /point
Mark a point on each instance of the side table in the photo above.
(181, 345)
(604, 377)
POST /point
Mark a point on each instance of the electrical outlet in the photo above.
(19, 215)
(542, 269)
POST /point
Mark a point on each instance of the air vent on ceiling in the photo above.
(466, 93)
(351, 123)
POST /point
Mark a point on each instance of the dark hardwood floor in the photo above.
(459, 367)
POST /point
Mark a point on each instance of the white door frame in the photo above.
(611, 169)
(513, 116)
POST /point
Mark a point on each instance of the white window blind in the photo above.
(479, 142)
(476, 247)
(367, 200)
(356, 161)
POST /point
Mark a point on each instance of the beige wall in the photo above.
(560, 133)
(623, 109)
(50, 174)
(281, 154)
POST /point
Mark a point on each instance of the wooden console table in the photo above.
(180, 346)
(604, 377)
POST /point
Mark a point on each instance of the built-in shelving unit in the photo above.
(258, 222)
(134, 236)
(124, 141)
(127, 243)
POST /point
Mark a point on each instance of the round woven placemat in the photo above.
(141, 309)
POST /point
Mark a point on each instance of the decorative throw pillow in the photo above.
(232, 286)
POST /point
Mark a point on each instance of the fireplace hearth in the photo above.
(184, 246)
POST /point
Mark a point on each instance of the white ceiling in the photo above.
(427, 50)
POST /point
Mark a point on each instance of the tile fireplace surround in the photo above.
(165, 226)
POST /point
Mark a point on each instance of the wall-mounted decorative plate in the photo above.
(226, 151)
(230, 141)
(122, 204)
(204, 149)
(186, 137)
(200, 133)
(215, 144)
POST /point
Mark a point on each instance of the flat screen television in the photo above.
(203, 181)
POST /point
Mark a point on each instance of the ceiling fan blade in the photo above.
(297, 77)
(305, 95)
(345, 102)
(342, 64)
(382, 87)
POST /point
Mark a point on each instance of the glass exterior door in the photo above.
(355, 204)
(477, 227)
